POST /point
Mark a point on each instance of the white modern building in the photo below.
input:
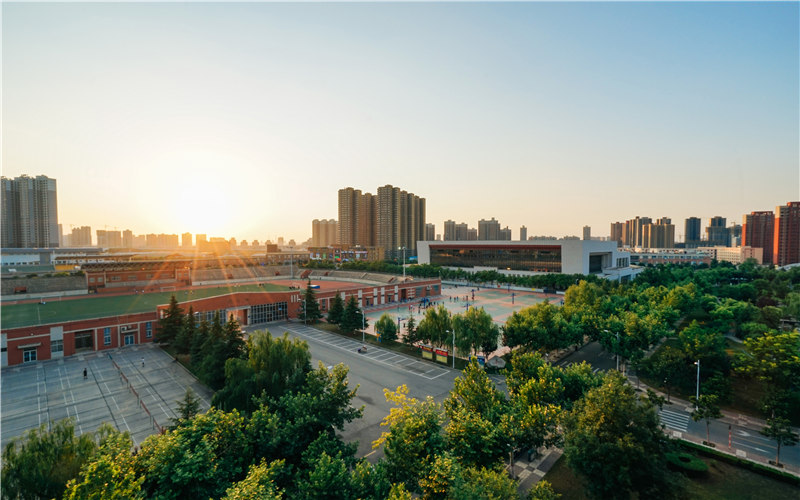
(529, 257)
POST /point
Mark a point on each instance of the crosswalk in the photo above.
(674, 420)
(421, 368)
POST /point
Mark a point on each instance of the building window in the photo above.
(131, 277)
(148, 329)
(100, 280)
(29, 355)
(264, 313)
(106, 336)
(91, 280)
(115, 278)
(56, 346)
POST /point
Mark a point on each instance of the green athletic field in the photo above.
(55, 310)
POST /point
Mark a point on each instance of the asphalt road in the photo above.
(745, 437)
(372, 372)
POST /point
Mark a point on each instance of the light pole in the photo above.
(454, 348)
(404, 262)
(697, 389)
(363, 327)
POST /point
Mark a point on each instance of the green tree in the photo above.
(183, 341)
(414, 437)
(310, 312)
(260, 483)
(483, 483)
(327, 477)
(170, 324)
(214, 355)
(411, 330)
(541, 327)
(543, 490)
(353, 317)
(615, 442)
(668, 365)
(436, 326)
(706, 407)
(110, 473)
(336, 310)
(386, 327)
(475, 331)
(39, 464)
(197, 460)
(772, 357)
(233, 339)
(779, 430)
(198, 341)
(274, 366)
(188, 407)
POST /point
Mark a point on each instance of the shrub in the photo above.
(686, 463)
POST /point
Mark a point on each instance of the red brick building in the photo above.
(43, 342)
(758, 230)
(787, 234)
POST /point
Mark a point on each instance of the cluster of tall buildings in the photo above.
(29, 212)
(391, 220)
(778, 233)
(488, 230)
(324, 233)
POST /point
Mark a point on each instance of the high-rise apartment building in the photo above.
(472, 233)
(787, 234)
(109, 239)
(81, 237)
(616, 232)
(392, 219)
(587, 233)
(430, 232)
(488, 230)
(463, 232)
(449, 230)
(691, 230)
(659, 235)
(186, 240)
(127, 239)
(324, 232)
(29, 212)
(523, 233)
(758, 231)
(717, 232)
(505, 234)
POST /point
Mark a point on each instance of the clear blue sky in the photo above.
(244, 120)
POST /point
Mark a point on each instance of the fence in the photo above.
(127, 382)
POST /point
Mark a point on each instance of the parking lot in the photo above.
(135, 389)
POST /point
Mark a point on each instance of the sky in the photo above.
(244, 120)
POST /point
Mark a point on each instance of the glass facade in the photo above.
(264, 313)
(106, 336)
(540, 258)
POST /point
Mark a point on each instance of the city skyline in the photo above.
(244, 120)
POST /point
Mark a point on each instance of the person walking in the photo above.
(142, 361)
(84, 374)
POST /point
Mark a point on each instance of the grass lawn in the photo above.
(723, 482)
(17, 315)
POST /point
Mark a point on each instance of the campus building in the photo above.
(531, 257)
(29, 341)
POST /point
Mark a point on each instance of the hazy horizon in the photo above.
(244, 120)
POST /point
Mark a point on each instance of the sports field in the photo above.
(71, 309)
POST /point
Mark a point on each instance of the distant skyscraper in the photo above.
(348, 209)
(523, 233)
(659, 235)
(504, 234)
(430, 232)
(787, 234)
(109, 239)
(758, 231)
(324, 233)
(127, 238)
(29, 212)
(691, 230)
(81, 237)
(462, 232)
(186, 240)
(472, 234)
(617, 232)
(587, 233)
(488, 230)
(717, 232)
(449, 230)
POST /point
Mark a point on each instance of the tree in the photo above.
(667, 364)
(310, 312)
(110, 473)
(197, 460)
(706, 408)
(386, 327)
(198, 341)
(170, 324)
(436, 326)
(615, 442)
(188, 407)
(543, 490)
(274, 366)
(39, 464)
(779, 430)
(411, 330)
(183, 341)
(214, 355)
(336, 310)
(774, 358)
(541, 327)
(352, 318)
(233, 338)
(475, 331)
(260, 483)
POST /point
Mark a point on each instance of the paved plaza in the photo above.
(498, 302)
(134, 388)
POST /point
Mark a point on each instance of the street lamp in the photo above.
(404, 262)
(363, 327)
(697, 390)
(454, 347)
